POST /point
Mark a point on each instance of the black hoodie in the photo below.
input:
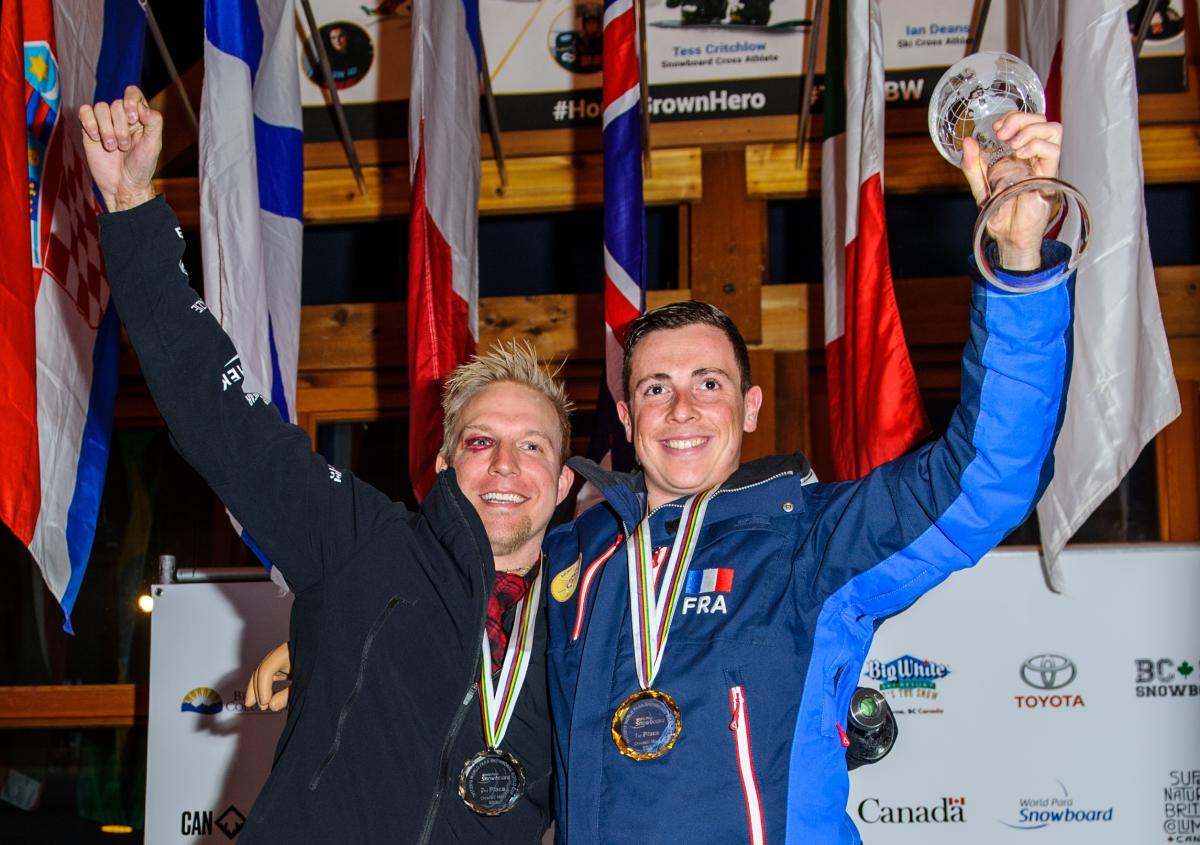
(389, 604)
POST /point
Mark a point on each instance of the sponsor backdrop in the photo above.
(1024, 716)
(207, 754)
(706, 59)
(1027, 716)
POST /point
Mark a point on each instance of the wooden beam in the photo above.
(367, 335)
(1177, 455)
(729, 243)
(910, 164)
(1179, 296)
(552, 322)
(542, 183)
(794, 408)
(354, 356)
(577, 140)
(371, 336)
(1185, 357)
(180, 142)
(1170, 153)
(75, 706)
(1183, 107)
(559, 183)
(787, 315)
(762, 441)
(935, 310)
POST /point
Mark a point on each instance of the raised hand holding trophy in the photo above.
(969, 98)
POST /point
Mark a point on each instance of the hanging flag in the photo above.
(58, 337)
(1123, 388)
(251, 194)
(251, 190)
(875, 409)
(624, 224)
(443, 268)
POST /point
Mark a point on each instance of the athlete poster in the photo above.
(706, 59)
(1162, 67)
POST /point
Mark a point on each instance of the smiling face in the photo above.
(686, 412)
(508, 459)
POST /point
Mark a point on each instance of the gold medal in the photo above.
(646, 725)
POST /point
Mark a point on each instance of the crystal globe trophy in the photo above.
(967, 100)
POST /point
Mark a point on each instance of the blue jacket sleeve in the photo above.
(304, 514)
(880, 542)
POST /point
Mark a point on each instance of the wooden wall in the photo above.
(352, 356)
(719, 175)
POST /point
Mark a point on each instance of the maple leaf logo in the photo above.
(1185, 668)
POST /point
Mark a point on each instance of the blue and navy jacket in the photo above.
(788, 584)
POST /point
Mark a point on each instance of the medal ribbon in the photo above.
(497, 703)
(651, 613)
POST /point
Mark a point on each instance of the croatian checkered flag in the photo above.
(59, 334)
(624, 223)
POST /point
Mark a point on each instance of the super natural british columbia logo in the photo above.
(203, 700)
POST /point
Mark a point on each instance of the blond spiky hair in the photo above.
(514, 361)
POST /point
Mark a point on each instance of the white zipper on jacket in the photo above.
(740, 725)
(585, 585)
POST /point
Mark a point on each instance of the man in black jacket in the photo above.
(398, 730)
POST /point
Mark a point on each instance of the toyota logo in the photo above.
(1048, 671)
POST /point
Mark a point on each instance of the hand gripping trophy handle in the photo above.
(967, 100)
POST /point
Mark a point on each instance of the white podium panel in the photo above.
(1026, 716)
(208, 755)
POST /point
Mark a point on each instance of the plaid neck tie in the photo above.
(509, 589)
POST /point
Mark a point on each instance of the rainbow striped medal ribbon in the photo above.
(492, 781)
(648, 722)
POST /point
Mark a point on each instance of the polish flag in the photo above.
(443, 268)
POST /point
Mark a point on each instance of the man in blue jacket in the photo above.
(770, 585)
(704, 602)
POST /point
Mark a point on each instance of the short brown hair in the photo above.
(513, 361)
(677, 315)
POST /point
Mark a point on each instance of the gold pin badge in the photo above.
(564, 583)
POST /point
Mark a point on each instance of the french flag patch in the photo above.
(709, 581)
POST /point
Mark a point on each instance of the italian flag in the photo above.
(875, 409)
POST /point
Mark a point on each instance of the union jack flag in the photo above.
(624, 221)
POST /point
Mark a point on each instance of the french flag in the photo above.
(443, 268)
(701, 581)
(58, 335)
